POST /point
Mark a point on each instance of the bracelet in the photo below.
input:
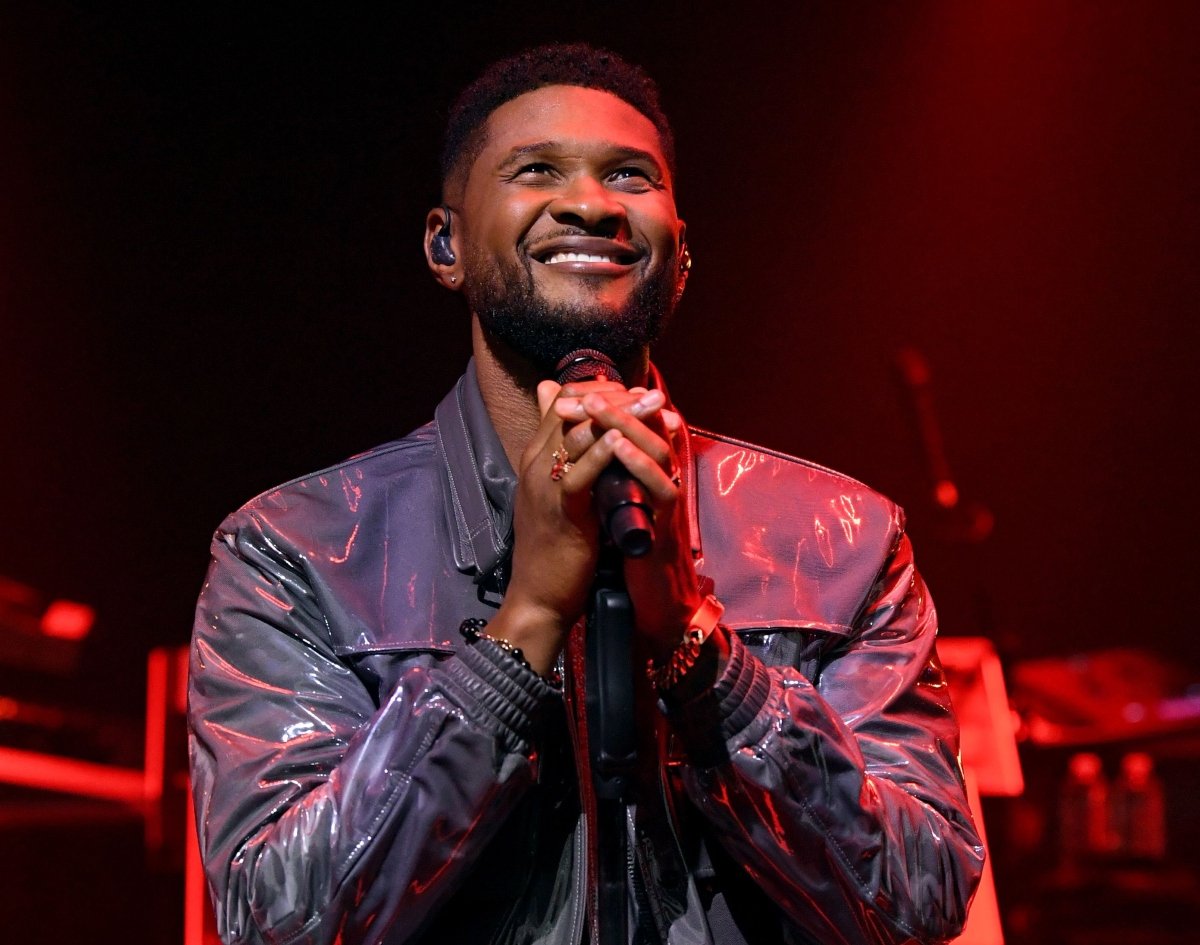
(472, 631)
(685, 656)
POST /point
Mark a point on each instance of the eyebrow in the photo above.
(622, 152)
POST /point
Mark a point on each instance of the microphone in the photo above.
(619, 499)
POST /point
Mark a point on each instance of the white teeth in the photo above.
(577, 257)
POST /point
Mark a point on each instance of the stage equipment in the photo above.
(990, 761)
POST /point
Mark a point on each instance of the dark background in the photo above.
(211, 279)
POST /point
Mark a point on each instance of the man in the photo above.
(382, 748)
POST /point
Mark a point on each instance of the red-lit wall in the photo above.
(210, 279)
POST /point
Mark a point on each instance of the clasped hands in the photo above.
(585, 426)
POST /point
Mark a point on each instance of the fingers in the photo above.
(591, 462)
(567, 402)
(582, 472)
(547, 392)
(638, 422)
(598, 421)
(646, 468)
(579, 388)
(647, 405)
(571, 455)
(638, 401)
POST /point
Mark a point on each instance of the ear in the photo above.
(685, 262)
(445, 268)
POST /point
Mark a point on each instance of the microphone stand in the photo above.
(612, 738)
(628, 526)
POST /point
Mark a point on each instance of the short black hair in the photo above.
(578, 64)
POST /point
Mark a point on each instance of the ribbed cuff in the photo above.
(509, 697)
(742, 691)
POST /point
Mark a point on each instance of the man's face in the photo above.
(569, 228)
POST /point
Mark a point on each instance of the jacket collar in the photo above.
(479, 479)
(480, 482)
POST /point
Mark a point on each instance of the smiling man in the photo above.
(389, 722)
(569, 227)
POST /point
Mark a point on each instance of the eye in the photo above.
(632, 178)
(629, 173)
(536, 168)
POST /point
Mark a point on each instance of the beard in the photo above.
(511, 310)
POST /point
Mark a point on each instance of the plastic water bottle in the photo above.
(1138, 814)
(1083, 811)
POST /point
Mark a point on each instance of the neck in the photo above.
(508, 384)
(509, 390)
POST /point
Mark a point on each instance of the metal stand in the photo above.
(612, 736)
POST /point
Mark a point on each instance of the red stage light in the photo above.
(67, 620)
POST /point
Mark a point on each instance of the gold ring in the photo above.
(562, 463)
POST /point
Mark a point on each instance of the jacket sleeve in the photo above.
(843, 795)
(321, 811)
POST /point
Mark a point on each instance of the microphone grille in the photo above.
(586, 364)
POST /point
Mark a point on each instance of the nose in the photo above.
(586, 203)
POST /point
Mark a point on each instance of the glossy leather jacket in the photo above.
(362, 775)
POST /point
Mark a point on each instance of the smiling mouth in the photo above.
(556, 258)
(603, 253)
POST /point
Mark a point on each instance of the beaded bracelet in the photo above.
(472, 631)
